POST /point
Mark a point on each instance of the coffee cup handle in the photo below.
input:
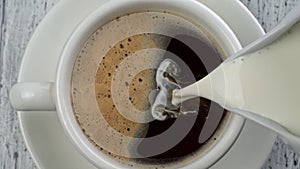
(33, 96)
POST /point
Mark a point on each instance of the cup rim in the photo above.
(104, 14)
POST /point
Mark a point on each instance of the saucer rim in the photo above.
(61, 3)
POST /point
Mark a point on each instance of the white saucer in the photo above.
(51, 149)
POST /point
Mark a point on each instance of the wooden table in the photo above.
(19, 19)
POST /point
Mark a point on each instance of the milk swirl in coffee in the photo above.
(113, 88)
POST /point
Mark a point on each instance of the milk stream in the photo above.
(266, 82)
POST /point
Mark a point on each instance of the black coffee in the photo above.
(186, 50)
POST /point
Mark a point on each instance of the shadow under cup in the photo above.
(113, 85)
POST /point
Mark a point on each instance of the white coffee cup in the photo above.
(40, 96)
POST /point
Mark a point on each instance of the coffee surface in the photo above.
(113, 87)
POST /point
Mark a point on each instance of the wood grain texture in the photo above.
(269, 12)
(19, 19)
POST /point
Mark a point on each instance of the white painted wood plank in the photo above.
(269, 12)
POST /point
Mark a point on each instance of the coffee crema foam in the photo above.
(113, 87)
